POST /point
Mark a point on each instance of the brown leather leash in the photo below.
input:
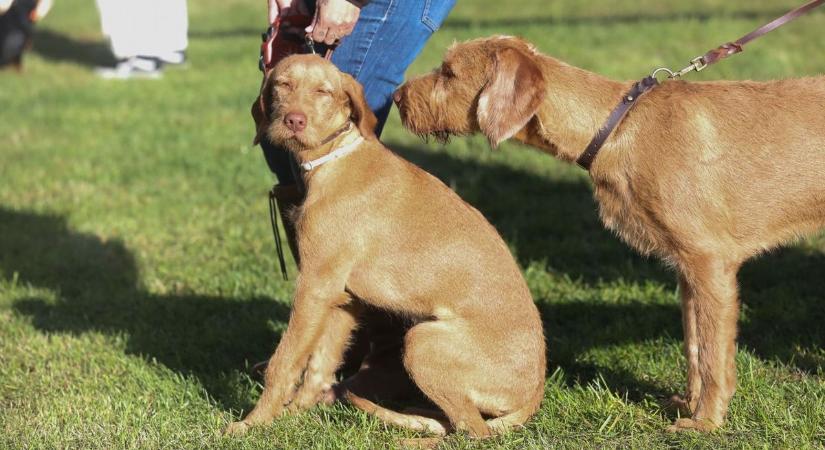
(697, 64)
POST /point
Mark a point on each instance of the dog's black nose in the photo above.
(296, 121)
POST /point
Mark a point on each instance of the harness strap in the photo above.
(619, 112)
(645, 85)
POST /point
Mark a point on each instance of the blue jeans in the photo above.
(389, 35)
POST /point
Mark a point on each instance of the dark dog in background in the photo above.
(17, 27)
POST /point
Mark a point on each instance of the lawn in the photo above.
(138, 277)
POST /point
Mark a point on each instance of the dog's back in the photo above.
(759, 145)
(441, 251)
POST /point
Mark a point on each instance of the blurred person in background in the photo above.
(17, 19)
(145, 35)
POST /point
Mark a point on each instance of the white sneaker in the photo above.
(173, 58)
(135, 67)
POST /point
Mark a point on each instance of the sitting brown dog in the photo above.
(376, 230)
(703, 175)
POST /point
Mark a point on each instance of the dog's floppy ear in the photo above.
(512, 95)
(361, 113)
(261, 112)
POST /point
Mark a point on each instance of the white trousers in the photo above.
(144, 27)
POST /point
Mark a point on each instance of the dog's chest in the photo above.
(623, 213)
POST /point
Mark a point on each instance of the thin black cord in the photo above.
(273, 218)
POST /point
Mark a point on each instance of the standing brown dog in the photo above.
(704, 175)
(378, 229)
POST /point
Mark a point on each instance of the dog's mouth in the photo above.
(292, 140)
(440, 136)
(413, 124)
(299, 141)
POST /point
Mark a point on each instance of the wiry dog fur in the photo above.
(704, 175)
(380, 230)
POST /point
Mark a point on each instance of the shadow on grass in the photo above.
(783, 297)
(98, 290)
(543, 220)
(783, 293)
(56, 46)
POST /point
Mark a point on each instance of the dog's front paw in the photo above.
(236, 429)
(681, 425)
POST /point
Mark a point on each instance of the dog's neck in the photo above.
(575, 106)
(307, 156)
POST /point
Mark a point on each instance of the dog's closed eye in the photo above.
(283, 84)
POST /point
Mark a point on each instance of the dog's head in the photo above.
(305, 99)
(492, 85)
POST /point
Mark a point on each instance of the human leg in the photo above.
(144, 35)
(388, 37)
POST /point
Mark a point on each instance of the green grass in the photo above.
(138, 277)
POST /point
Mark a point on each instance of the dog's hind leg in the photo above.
(319, 375)
(518, 417)
(712, 284)
(436, 361)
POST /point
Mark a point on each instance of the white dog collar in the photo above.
(339, 152)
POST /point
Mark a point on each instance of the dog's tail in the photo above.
(409, 421)
(520, 416)
(439, 427)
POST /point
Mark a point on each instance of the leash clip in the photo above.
(697, 64)
(670, 73)
(310, 44)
